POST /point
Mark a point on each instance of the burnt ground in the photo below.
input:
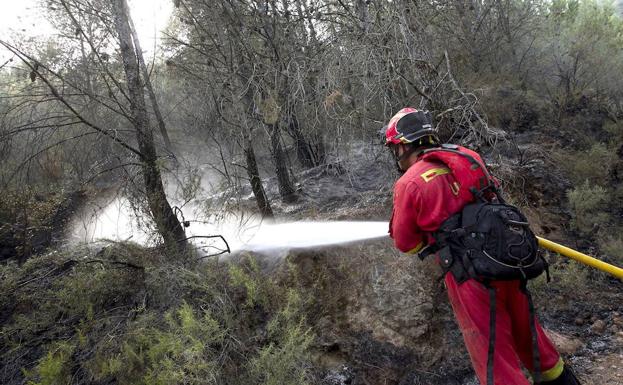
(590, 316)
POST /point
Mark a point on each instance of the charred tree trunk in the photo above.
(286, 188)
(254, 178)
(252, 170)
(256, 183)
(167, 224)
(150, 90)
(363, 14)
(307, 156)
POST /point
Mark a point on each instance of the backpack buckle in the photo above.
(445, 258)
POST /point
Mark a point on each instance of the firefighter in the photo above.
(426, 195)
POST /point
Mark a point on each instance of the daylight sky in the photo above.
(28, 17)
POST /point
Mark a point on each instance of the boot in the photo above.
(567, 377)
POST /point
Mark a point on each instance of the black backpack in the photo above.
(491, 241)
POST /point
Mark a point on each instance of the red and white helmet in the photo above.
(410, 125)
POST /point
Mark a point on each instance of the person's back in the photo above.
(425, 196)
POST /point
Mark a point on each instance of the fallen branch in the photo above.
(123, 263)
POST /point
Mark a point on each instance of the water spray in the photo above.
(115, 222)
(315, 234)
(303, 235)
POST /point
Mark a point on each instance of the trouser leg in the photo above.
(551, 365)
(470, 302)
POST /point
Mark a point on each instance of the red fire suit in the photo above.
(424, 197)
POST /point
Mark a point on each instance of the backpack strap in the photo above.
(487, 184)
(492, 323)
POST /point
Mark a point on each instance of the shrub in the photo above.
(184, 350)
(585, 35)
(283, 361)
(593, 165)
(257, 337)
(516, 110)
(53, 368)
(111, 320)
(588, 203)
(566, 275)
(612, 247)
(244, 278)
(26, 218)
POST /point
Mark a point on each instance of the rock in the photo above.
(598, 327)
(378, 306)
(342, 376)
(617, 320)
(579, 321)
(565, 344)
(399, 303)
(598, 346)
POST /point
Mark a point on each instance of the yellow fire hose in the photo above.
(583, 258)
